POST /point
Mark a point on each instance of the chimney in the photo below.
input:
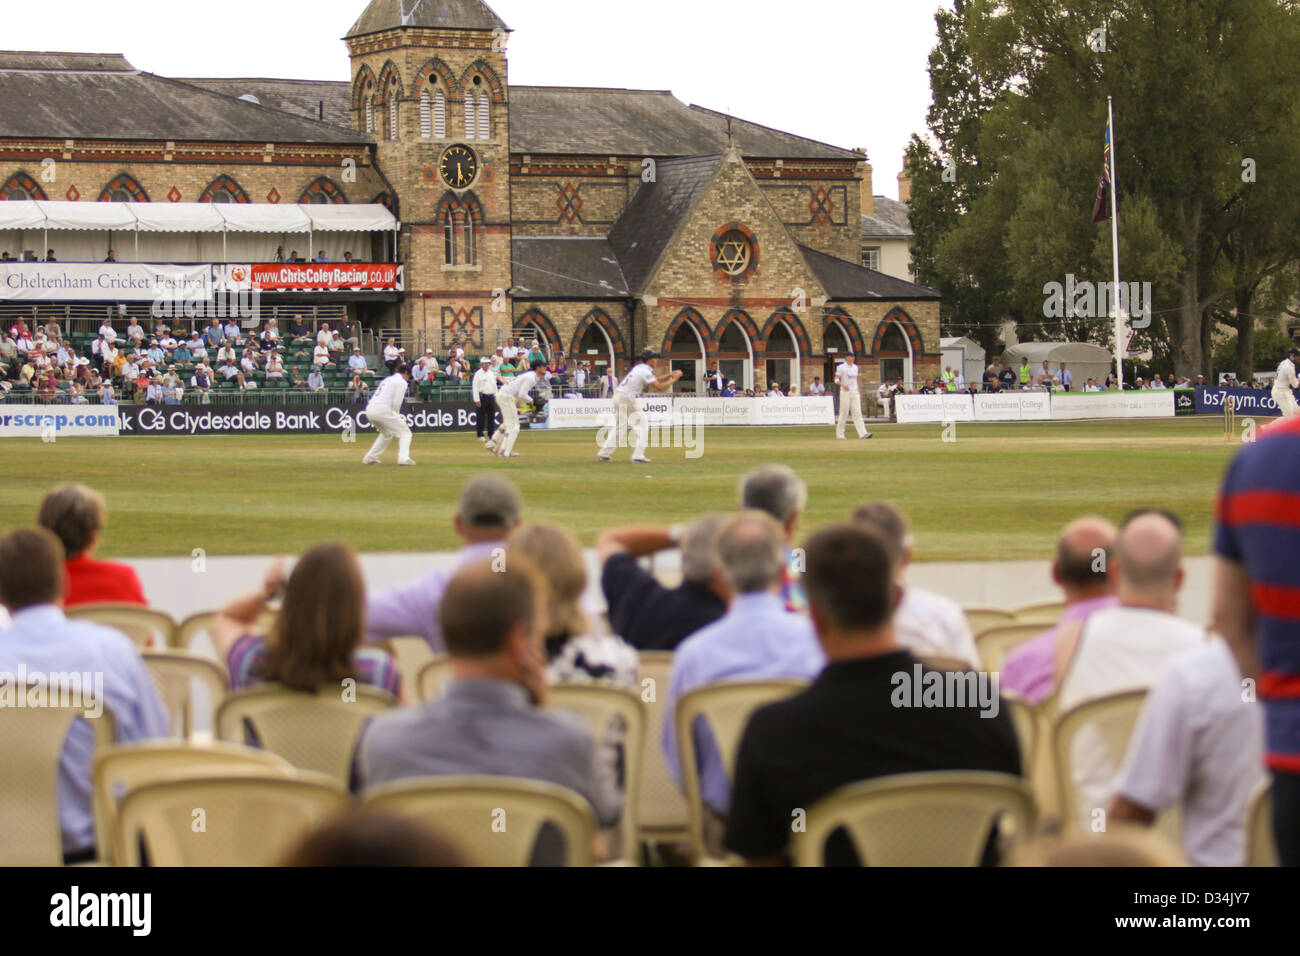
(866, 187)
(905, 183)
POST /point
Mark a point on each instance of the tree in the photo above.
(949, 173)
(1195, 85)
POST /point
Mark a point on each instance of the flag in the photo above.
(1101, 206)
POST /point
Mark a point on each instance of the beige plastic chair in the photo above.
(1112, 719)
(942, 818)
(665, 818)
(29, 773)
(496, 819)
(433, 677)
(146, 626)
(1261, 844)
(601, 707)
(251, 817)
(1026, 721)
(129, 766)
(1048, 612)
(726, 708)
(317, 732)
(200, 624)
(174, 674)
(410, 654)
(980, 618)
(1041, 770)
(995, 643)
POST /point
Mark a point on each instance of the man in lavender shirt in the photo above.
(1082, 554)
(489, 509)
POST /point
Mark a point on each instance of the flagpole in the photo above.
(1114, 246)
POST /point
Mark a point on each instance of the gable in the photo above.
(731, 201)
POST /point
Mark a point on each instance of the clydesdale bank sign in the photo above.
(326, 419)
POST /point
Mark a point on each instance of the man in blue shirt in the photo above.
(756, 639)
(49, 648)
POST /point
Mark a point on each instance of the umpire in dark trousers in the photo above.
(485, 383)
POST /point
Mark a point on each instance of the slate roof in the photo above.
(448, 14)
(847, 281)
(299, 97)
(614, 122)
(653, 215)
(891, 221)
(69, 96)
(566, 267)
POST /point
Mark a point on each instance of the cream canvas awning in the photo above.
(30, 214)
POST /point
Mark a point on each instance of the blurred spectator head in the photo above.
(1148, 559)
(749, 551)
(558, 556)
(489, 507)
(777, 490)
(321, 621)
(1083, 553)
(849, 579)
(362, 838)
(494, 614)
(698, 561)
(31, 568)
(75, 514)
(891, 525)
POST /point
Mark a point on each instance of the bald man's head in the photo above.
(1083, 553)
(1149, 559)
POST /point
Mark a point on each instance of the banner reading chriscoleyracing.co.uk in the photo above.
(313, 276)
(285, 419)
(52, 422)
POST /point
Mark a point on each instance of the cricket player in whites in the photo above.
(385, 413)
(846, 376)
(1284, 385)
(509, 397)
(627, 406)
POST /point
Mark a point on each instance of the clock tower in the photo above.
(429, 83)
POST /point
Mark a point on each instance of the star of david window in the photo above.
(734, 252)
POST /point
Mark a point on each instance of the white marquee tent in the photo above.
(1084, 360)
(189, 232)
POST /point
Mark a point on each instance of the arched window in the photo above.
(322, 190)
(363, 97)
(736, 340)
(224, 189)
(123, 188)
(392, 119)
(20, 186)
(460, 218)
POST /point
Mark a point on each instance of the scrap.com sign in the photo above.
(58, 421)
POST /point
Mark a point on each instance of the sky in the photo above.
(847, 72)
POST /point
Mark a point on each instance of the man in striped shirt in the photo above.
(1257, 604)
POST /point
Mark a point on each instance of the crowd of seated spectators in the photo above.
(511, 613)
(161, 366)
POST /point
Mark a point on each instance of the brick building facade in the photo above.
(603, 221)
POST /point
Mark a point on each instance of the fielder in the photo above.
(509, 397)
(846, 376)
(1285, 384)
(627, 406)
(385, 413)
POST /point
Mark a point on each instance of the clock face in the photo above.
(458, 166)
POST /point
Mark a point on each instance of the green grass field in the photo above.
(997, 492)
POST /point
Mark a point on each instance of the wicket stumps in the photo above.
(1229, 418)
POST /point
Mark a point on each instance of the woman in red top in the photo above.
(76, 515)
